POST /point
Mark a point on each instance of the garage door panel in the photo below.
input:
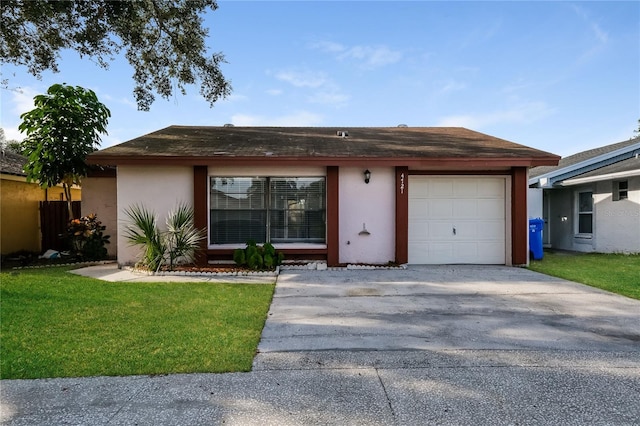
(490, 188)
(421, 190)
(465, 209)
(440, 189)
(490, 209)
(440, 209)
(467, 252)
(491, 253)
(440, 230)
(465, 189)
(463, 230)
(418, 208)
(440, 252)
(474, 207)
(420, 231)
(491, 230)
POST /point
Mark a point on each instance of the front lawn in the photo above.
(617, 273)
(57, 324)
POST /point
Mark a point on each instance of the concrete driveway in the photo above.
(444, 345)
(445, 307)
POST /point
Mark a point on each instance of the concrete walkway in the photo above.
(428, 345)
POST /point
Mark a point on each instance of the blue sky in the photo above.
(558, 76)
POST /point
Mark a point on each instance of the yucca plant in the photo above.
(178, 243)
(142, 231)
(182, 238)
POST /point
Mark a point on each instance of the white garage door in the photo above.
(456, 220)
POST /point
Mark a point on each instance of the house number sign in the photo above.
(402, 183)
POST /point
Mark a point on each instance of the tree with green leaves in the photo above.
(9, 144)
(163, 40)
(62, 129)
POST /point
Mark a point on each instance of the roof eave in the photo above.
(600, 178)
(113, 160)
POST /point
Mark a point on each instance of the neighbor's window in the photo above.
(267, 209)
(585, 212)
(620, 190)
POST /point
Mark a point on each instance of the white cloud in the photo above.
(274, 92)
(107, 99)
(332, 98)
(311, 79)
(452, 86)
(368, 56)
(523, 113)
(329, 46)
(236, 97)
(372, 56)
(298, 119)
(600, 35)
(22, 100)
(325, 90)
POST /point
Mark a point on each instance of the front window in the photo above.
(585, 212)
(267, 209)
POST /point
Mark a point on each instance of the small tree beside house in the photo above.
(63, 128)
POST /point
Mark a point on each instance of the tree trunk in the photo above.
(67, 195)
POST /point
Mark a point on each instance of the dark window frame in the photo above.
(283, 210)
(620, 190)
(584, 212)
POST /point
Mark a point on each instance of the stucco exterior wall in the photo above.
(617, 223)
(100, 197)
(20, 214)
(534, 202)
(158, 189)
(373, 205)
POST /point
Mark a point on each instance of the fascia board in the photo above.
(610, 176)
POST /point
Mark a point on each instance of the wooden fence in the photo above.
(54, 218)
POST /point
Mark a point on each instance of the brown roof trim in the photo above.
(321, 161)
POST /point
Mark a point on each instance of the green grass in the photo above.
(617, 273)
(57, 324)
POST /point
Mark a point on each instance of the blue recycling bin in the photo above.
(535, 238)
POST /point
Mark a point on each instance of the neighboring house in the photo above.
(433, 196)
(591, 200)
(19, 205)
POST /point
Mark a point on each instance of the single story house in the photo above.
(343, 195)
(590, 201)
(20, 227)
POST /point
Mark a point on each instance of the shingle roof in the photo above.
(582, 156)
(12, 163)
(210, 143)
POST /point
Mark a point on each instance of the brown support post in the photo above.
(402, 215)
(519, 221)
(200, 174)
(333, 216)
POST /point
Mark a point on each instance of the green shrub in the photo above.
(87, 238)
(258, 257)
